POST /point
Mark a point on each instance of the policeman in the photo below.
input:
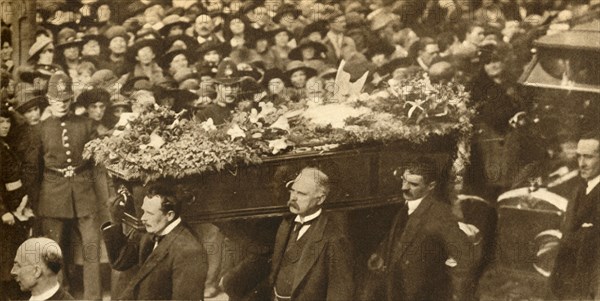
(228, 82)
(67, 195)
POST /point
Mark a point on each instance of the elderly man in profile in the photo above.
(36, 267)
(311, 258)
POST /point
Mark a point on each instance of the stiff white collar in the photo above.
(412, 205)
(47, 294)
(170, 227)
(308, 218)
(591, 184)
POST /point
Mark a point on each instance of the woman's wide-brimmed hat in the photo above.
(68, 37)
(38, 46)
(294, 66)
(296, 53)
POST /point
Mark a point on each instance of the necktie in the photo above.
(297, 227)
(156, 239)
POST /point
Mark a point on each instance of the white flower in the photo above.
(278, 145)
(253, 116)
(281, 123)
(363, 97)
(156, 141)
(236, 132)
(266, 109)
(209, 125)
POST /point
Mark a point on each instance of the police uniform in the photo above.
(67, 191)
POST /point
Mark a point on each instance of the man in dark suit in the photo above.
(67, 195)
(311, 258)
(576, 272)
(172, 261)
(37, 264)
(426, 255)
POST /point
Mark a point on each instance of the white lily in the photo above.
(236, 132)
(277, 145)
(281, 123)
(209, 125)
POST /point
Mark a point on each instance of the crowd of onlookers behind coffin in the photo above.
(208, 57)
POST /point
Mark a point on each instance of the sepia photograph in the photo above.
(300, 150)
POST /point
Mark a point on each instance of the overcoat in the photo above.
(432, 259)
(325, 267)
(576, 273)
(175, 270)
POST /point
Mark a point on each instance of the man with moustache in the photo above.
(203, 29)
(36, 267)
(424, 256)
(312, 258)
(67, 196)
(576, 272)
(172, 261)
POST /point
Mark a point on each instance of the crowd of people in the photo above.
(90, 61)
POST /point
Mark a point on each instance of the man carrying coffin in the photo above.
(312, 258)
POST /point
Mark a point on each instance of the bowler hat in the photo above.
(60, 87)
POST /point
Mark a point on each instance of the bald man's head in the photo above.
(36, 259)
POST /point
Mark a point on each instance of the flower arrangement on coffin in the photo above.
(160, 143)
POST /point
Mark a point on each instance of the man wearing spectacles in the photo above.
(37, 264)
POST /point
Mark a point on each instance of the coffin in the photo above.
(363, 179)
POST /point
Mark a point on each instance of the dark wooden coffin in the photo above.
(363, 178)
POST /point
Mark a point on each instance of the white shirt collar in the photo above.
(47, 294)
(307, 218)
(412, 205)
(170, 227)
(591, 184)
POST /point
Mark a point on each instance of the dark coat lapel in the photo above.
(311, 250)
(156, 256)
(283, 234)
(413, 225)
